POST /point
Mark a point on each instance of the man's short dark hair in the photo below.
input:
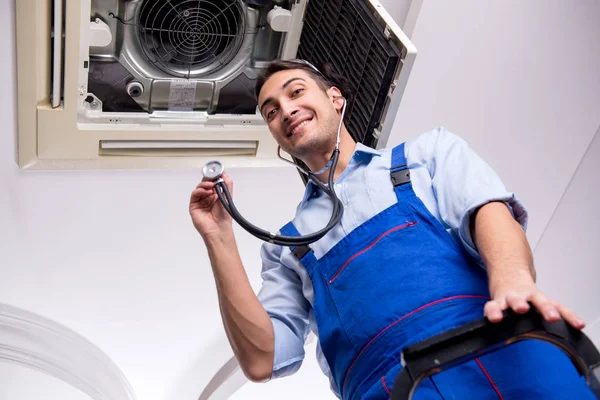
(326, 77)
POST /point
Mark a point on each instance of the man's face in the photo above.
(301, 116)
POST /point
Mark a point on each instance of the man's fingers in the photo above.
(228, 182)
(206, 188)
(493, 311)
(202, 192)
(546, 307)
(572, 319)
(553, 311)
(517, 303)
(206, 184)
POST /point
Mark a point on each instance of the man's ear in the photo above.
(336, 97)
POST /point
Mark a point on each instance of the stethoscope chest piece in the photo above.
(213, 170)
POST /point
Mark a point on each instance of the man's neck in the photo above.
(347, 147)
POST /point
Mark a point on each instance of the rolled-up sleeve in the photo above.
(281, 296)
(462, 182)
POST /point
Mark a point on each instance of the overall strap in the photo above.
(399, 172)
(304, 254)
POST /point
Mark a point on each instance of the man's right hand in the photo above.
(207, 212)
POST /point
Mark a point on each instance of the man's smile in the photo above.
(298, 125)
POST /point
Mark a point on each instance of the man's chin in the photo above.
(296, 143)
(297, 151)
(304, 145)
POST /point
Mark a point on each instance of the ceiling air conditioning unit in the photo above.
(169, 83)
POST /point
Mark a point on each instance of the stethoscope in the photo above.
(214, 169)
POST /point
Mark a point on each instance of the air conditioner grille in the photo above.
(345, 34)
(190, 37)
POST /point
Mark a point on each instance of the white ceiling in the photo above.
(519, 81)
(113, 255)
(567, 254)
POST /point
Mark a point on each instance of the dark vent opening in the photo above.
(237, 97)
(108, 80)
(346, 34)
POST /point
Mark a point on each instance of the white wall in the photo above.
(568, 253)
(113, 255)
(21, 383)
(518, 80)
(397, 9)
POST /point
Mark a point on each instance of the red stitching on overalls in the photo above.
(369, 247)
(385, 386)
(489, 379)
(413, 312)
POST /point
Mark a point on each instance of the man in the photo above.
(406, 262)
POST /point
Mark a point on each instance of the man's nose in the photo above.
(288, 111)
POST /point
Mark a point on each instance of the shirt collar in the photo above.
(362, 149)
(361, 153)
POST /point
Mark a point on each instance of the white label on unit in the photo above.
(182, 95)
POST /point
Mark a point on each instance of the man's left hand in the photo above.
(515, 293)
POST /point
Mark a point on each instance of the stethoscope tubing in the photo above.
(291, 241)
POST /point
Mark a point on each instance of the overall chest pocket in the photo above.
(368, 283)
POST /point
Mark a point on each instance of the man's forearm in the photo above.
(247, 324)
(509, 262)
(502, 244)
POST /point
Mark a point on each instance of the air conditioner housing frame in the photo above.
(52, 138)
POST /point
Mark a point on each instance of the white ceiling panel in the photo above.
(568, 255)
(21, 383)
(518, 80)
(308, 383)
(114, 256)
(397, 9)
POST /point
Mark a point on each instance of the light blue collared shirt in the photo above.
(446, 174)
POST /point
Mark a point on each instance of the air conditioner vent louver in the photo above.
(190, 37)
(345, 34)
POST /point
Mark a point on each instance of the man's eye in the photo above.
(271, 113)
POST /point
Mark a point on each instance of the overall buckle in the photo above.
(400, 175)
(300, 251)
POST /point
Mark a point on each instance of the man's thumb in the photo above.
(228, 182)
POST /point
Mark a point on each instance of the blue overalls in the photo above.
(400, 278)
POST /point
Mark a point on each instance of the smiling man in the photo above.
(410, 258)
